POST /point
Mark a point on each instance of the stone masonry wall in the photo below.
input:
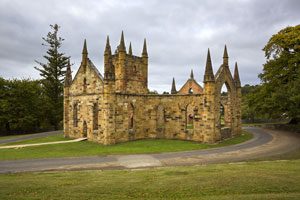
(82, 96)
(158, 116)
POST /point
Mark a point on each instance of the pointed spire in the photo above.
(225, 56)
(173, 89)
(209, 74)
(84, 53)
(130, 49)
(122, 43)
(84, 50)
(107, 47)
(236, 76)
(68, 77)
(192, 75)
(145, 54)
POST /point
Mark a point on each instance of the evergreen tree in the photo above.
(53, 73)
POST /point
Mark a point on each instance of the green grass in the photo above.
(51, 138)
(255, 180)
(86, 148)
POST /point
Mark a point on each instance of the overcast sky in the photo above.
(178, 33)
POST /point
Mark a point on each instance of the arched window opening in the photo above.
(190, 117)
(75, 115)
(225, 112)
(95, 116)
(191, 91)
(224, 90)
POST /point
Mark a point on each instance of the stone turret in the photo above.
(120, 69)
(129, 72)
(145, 63)
(236, 76)
(225, 56)
(109, 72)
(238, 102)
(209, 102)
(209, 74)
(173, 89)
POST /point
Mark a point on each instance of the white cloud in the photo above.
(178, 33)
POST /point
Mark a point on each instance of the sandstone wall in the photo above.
(158, 116)
(82, 96)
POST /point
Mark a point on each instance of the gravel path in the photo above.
(264, 143)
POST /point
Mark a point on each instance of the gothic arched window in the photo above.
(130, 116)
(95, 116)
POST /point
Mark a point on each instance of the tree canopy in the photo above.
(281, 73)
(22, 107)
(278, 95)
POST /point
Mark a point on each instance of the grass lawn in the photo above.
(254, 180)
(86, 148)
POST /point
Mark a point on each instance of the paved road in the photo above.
(31, 136)
(265, 143)
(41, 144)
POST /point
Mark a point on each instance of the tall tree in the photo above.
(53, 72)
(281, 74)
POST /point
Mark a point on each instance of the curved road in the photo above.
(30, 136)
(264, 143)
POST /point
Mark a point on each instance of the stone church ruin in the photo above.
(118, 107)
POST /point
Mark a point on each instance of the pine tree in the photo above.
(53, 73)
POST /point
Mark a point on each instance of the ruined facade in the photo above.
(118, 107)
